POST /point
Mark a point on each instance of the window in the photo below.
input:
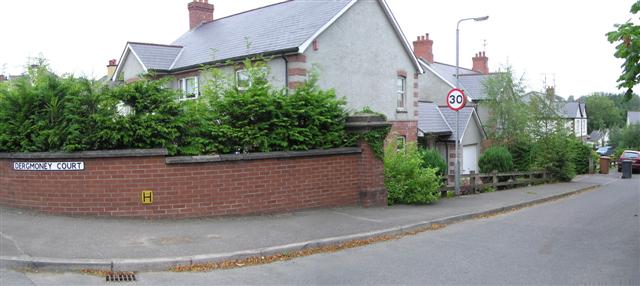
(189, 87)
(243, 80)
(401, 91)
(401, 141)
(246, 78)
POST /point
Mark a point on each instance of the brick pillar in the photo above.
(296, 70)
(372, 191)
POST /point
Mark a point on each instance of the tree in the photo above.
(603, 113)
(627, 37)
(509, 118)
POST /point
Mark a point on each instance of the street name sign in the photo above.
(48, 166)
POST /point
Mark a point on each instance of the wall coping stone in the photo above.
(261, 156)
(87, 154)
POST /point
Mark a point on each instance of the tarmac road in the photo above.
(590, 238)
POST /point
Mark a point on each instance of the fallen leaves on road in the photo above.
(257, 260)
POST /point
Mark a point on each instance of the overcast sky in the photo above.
(562, 41)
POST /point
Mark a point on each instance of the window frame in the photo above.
(183, 87)
(401, 92)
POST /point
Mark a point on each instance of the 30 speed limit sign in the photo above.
(456, 99)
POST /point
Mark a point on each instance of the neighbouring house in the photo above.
(436, 122)
(111, 70)
(633, 117)
(572, 113)
(437, 130)
(439, 78)
(599, 138)
(356, 46)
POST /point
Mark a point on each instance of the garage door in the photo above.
(470, 158)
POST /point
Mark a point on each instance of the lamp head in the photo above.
(481, 18)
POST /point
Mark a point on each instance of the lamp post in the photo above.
(458, 86)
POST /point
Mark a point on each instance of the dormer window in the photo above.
(189, 87)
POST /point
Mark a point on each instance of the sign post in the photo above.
(456, 101)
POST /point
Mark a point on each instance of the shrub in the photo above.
(581, 154)
(431, 159)
(553, 153)
(406, 180)
(520, 150)
(46, 112)
(496, 159)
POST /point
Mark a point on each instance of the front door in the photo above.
(470, 158)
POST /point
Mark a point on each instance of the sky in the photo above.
(546, 42)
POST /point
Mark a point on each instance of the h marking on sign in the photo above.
(147, 197)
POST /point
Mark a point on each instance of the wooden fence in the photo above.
(472, 183)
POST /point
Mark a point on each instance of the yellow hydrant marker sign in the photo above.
(146, 197)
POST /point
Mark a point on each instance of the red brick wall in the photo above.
(408, 128)
(113, 186)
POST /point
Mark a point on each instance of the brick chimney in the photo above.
(481, 63)
(200, 11)
(423, 48)
(111, 68)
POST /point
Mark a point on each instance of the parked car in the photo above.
(629, 155)
(605, 150)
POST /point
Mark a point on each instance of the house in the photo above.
(356, 46)
(437, 130)
(439, 78)
(633, 117)
(436, 122)
(572, 113)
(599, 138)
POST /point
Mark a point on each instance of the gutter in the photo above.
(240, 58)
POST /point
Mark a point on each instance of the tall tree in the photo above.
(603, 113)
(509, 117)
(627, 37)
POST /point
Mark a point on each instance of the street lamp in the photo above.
(458, 86)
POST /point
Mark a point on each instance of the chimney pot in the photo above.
(481, 63)
(200, 11)
(423, 48)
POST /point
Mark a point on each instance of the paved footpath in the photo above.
(29, 239)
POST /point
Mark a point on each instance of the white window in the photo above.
(401, 91)
(189, 87)
(245, 79)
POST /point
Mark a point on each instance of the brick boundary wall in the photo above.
(186, 187)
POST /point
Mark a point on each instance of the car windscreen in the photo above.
(630, 155)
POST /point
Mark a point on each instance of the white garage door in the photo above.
(470, 158)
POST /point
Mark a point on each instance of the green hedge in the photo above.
(46, 112)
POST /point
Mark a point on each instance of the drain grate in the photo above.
(121, 277)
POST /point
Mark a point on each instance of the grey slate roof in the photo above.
(470, 81)
(154, 56)
(569, 109)
(633, 117)
(278, 27)
(450, 116)
(449, 72)
(473, 85)
(430, 120)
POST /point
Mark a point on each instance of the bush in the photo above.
(431, 159)
(45, 112)
(581, 154)
(554, 154)
(496, 159)
(406, 180)
(520, 150)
